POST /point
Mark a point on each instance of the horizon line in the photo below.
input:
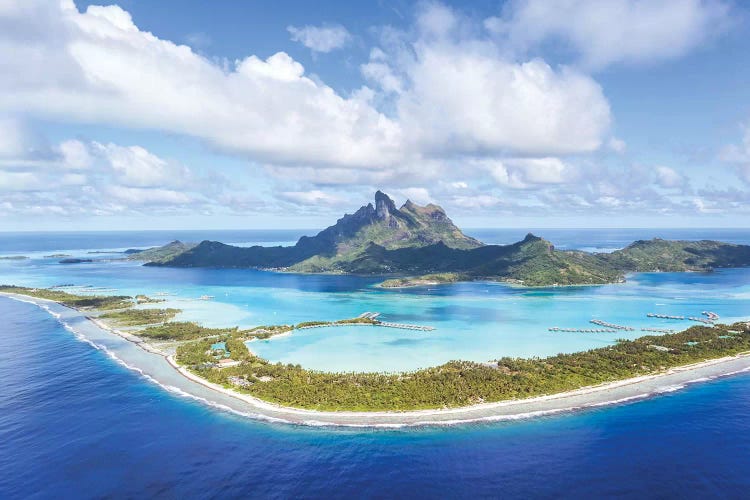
(468, 228)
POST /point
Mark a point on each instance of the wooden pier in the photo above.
(371, 316)
(582, 330)
(664, 316)
(404, 326)
(612, 326)
(708, 320)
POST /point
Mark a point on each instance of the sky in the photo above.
(288, 114)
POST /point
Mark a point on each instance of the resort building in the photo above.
(226, 363)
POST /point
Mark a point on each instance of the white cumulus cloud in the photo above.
(92, 178)
(459, 93)
(418, 195)
(321, 38)
(13, 138)
(137, 167)
(19, 181)
(314, 197)
(522, 173)
(605, 32)
(451, 109)
(739, 155)
(669, 178)
(99, 67)
(617, 145)
(148, 196)
(75, 154)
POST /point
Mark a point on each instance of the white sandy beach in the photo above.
(162, 369)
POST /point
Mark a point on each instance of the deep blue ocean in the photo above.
(76, 424)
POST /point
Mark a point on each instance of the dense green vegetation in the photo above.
(461, 383)
(237, 349)
(424, 243)
(349, 321)
(160, 254)
(677, 256)
(356, 321)
(195, 354)
(333, 248)
(120, 307)
(265, 332)
(389, 227)
(457, 383)
(143, 299)
(306, 324)
(427, 279)
(135, 317)
(532, 262)
(199, 354)
(68, 299)
(183, 330)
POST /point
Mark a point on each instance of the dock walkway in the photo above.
(404, 326)
(376, 322)
(612, 325)
(711, 317)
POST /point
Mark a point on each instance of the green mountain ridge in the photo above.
(333, 248)
(160, 254)
(420, 244)
(658, 255)
(532, 262)
(410, 226)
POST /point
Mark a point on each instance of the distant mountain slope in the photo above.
(418, 241)
(390, 227)
(533, 261)
(662, 255)
(160, 254)
(215, 254)
(382, 224)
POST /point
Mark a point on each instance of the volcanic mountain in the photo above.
(422, 241)
(381, 224)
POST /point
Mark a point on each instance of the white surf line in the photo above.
(394, 419)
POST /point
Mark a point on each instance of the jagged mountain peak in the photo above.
(384, 205)
(419, 240)
(531, 237)
(387, 226)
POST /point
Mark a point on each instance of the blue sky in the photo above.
(525, 113)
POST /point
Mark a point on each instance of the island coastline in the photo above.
(192, 386)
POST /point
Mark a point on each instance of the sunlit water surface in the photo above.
(472, 321)
(75, 424)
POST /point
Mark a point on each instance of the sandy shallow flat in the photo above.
(162, 370)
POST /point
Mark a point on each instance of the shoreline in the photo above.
(161, 368)
(512, 283)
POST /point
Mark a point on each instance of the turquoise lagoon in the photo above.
(472, 321)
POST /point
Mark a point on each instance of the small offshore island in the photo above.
(218, 358)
